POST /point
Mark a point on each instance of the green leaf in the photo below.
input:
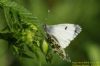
(26, 56)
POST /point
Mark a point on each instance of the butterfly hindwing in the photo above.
(57, 48)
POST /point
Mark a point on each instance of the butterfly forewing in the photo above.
(64, 33)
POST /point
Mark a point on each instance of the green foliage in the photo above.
(23, 32)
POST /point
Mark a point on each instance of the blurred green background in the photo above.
(86, 13)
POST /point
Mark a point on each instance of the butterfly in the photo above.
(59, 36)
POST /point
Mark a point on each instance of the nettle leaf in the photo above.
(26, 55)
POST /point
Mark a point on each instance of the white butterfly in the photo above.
(62, 35)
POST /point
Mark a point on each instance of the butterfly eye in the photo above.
(66, 28)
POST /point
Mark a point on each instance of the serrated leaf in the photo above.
(26, 55)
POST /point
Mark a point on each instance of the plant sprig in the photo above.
(24, 31)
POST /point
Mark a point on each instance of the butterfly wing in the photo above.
(57, 48)
(60, 36)
(64, 33)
